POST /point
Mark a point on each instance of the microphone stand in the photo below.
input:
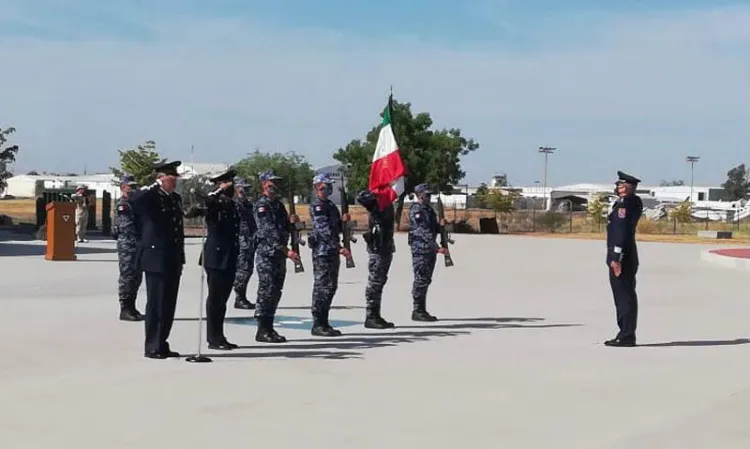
(198, 357)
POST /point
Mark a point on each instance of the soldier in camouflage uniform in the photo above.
(423, 230)
(325, 242)
(126, 233)
(271, 252)
(246, 257)
(380, 246)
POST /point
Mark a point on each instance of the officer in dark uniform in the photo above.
(219, 255)
(423, 230)
(271, 252)
(380, 246)
(622, 257)
(246, 258)
(125, 231)
(325, 243)
(160, 254)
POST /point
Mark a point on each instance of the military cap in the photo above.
(627, 179)
(325, 178)
(422, 188)
(128, 180)
(366, 199)
(240, 182)
(168, 168)
(224, 177)
(268, 175)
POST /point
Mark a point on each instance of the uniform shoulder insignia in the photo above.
(621, 212)
(122, 208)
(261, 209)
(417, 215)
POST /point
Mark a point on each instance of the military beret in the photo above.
(626, 178)
(224, 177)
(422, 188)
(325, 178)
(268, 175)
(128, 180)
(168, 168)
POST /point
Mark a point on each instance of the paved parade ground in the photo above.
(516, 361)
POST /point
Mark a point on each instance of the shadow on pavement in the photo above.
(26, 249)
(331, 355)
(696, 343)
(332, 307)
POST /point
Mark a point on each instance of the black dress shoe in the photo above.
(222, 346)
(130, 315)
(422, 315)
(616, 342)
(155, 355)
(269, 336)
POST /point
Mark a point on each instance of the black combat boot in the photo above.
(420, 311)
(129, 313)
(266, 333)
(241, 302)
(322, 328)
(373, 320)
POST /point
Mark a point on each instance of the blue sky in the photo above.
(634, 85)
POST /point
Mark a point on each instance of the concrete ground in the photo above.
(517, 360)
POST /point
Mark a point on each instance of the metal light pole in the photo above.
(692, 160)
(547, 151)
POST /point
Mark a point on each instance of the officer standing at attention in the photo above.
(219, 255)
(325, 243)
(380, 246)
(622, 257)
(246, 258)
(423, 230)
(160, 254)
(271, 252)
(125, 232)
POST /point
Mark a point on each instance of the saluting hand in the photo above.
(616, 268)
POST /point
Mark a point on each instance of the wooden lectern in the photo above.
(61, 231)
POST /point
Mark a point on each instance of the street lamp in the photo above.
(692, 160)
(546, 151)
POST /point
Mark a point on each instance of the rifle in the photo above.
(445, 238)
(294, 231)
(347, 231)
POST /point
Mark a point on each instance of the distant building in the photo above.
(30, 186)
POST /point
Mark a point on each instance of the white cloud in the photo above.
(656, 87)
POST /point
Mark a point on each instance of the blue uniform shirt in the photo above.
(621, 226)
(247, 220)
(272, 222)
(126, 228)
(423, 228)
(325, 238)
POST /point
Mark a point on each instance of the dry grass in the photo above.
(23, 210)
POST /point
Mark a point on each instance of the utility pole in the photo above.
(547, 151)
(692, 160)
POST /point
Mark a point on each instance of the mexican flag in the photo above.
(387, 170)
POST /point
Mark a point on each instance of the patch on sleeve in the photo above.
(621, 212)
(318, 210)
(262, 210)
(122, 208)
(417, 215)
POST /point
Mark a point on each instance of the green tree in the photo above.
(295, 171)
(431, 156)
(7, 155)
(138, 162)
(596, 208)
(737, 183)
(480, 196)
(682, 213)
(499, 202)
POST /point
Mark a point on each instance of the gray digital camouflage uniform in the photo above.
(272, 236)
(246, 257)
(131, 277)
(423, 230)
(325, 242)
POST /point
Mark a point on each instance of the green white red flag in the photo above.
(387, 171)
